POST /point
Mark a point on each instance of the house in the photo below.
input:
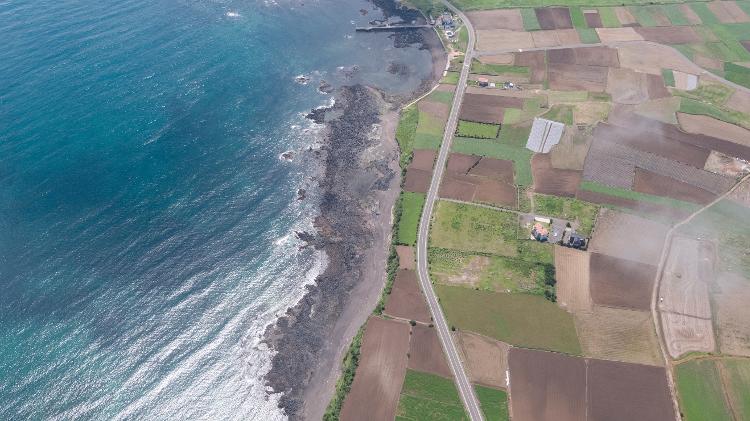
(539, 232)
(447, 20)
(483, 82)
(576, 241)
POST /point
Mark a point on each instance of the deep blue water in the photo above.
(146, 220)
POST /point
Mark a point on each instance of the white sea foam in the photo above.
(232, 14)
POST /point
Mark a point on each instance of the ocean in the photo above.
(147, 218)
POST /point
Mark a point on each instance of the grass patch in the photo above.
(441, 96)
(344, 383)
(640, 197)
(733, 243)
(530, 23)
(690, 106)
(588, 35)
(643, 15)
(609, 17)
(737, 74)
(675, 15)
(576, 15)
(477, 130)
(405, 132)
(428, 7)
(521, 157)
(465, 227)
(494, 403)
(600, 96)
(411, 211)
(739, 383)
(429, 397)
(498, 69)
(463, 38)
(556, 97)
(567, 208)
(561, 113)
(532, 107)
(519, 319)
(730, 34)
(450, 78)
(704, 13)
(429, 133)
(700, 390)
(668, 77)
(493, 273)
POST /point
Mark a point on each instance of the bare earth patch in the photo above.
(406, 257)
(690, 14)
(627, 86)
(485, 359)
(651, 58)
(618, 334)
(377, 384)
(426, 353)
(702, 124)
(423, 159)
(618, 34)
(720, 163)
(628, 236)
(503, 39)
(406, 300)
(572, 275)
(437, 109)
(732, 314)
(554, 181)
(621, 283)
(625, 17)
(658, 185)
(497, 19)
(505, 58)
(685, 334)
(727, 12)
(740, 101)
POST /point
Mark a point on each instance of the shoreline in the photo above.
(359, 188)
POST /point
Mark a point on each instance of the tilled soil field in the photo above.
(536, 63)
(553, 181)
(487, 108)
(669, 34)
(495, 192)
(687, 271)
(622, 391)
(417, 181)
(732, 314)
(406, 300)
(628, 237)
(461, 163)
(406, 257)
(684, 334)
(574, 77)
(485, 359)
(426, 353)
(423, 159)
(382, 366)
(618, 34)
(553, 17)
(659, 185)
(690, 14)
(625, 17)
(728, 12)
(618, 334)
(572, 275)
(593, 20)
(621, 283)
(708, 126)
(546, 386)
(497, 169)
(473, 178)
(497, 19)
(656, 87)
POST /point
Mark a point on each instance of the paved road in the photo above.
(462, 381)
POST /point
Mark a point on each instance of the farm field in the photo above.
(473, 178)
(628, 237)
(572, 274)
(426, 353)
(382, 365)
(567, 208)
(701, 392)
(411, 211)
(621, 283)
(523, 320)
(729, 297)
(485, 359)
(428, 397)
(494, 403)
(406, 259)
(406, 300)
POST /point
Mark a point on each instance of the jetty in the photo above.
(389, 27)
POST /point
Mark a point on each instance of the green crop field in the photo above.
(588, 36)
(576, 15)
(429, 397)
(668, 76)
(737, 74)
(407, 129)
(562, 113)
(510, 145)
(675, 15)
(532, 107)
(699, 387)
(498, 69)
(465, 227)
(690, 106)
(609, 18)
(493, 273)
(477, 130)
(739, 382)
(519, 319)
(429, 133)
(567, 208)
(450, 78)
(411, 211)
(494, 403)
(530, 22)
(644, 15)
(704, 13)
(441, 96)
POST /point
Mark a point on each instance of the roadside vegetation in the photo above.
(405, 133)
(429, 397)
(411, 211)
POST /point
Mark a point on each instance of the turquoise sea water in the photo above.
(146, 220)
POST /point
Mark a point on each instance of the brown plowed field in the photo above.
(504, 58)
(503, 39)
(495, 192)
(659, 185)
(627, 86)
(566, 77)
(708, 126)
(593, 20)
(497, 169)
(382, 366)
(534, 60)
(546, 386)
(497, 19)
(425, 352)
(690, 14)
(572, 275)
(628, 237)
(630, 120)
(684, 334)
(406, 300)
(588, 56)
(648, 57)
(485, 359)
(624, 16)
(487, 108)
(687, 271)
(656, 87)
(669, 34)
(437, 109)
(423, 159)
(417, 181)
(553, 17)
(645, 207)
(618, 282)
(561, 56)
(568, 36)
(461, 163)
(732, 314)
(649, 138)
(623, 392)
(545, 38)
(406, 257)
(550, 180)
(618, 334)
(457, 187)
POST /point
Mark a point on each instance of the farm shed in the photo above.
(544, 135)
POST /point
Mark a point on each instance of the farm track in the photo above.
(655, 291)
